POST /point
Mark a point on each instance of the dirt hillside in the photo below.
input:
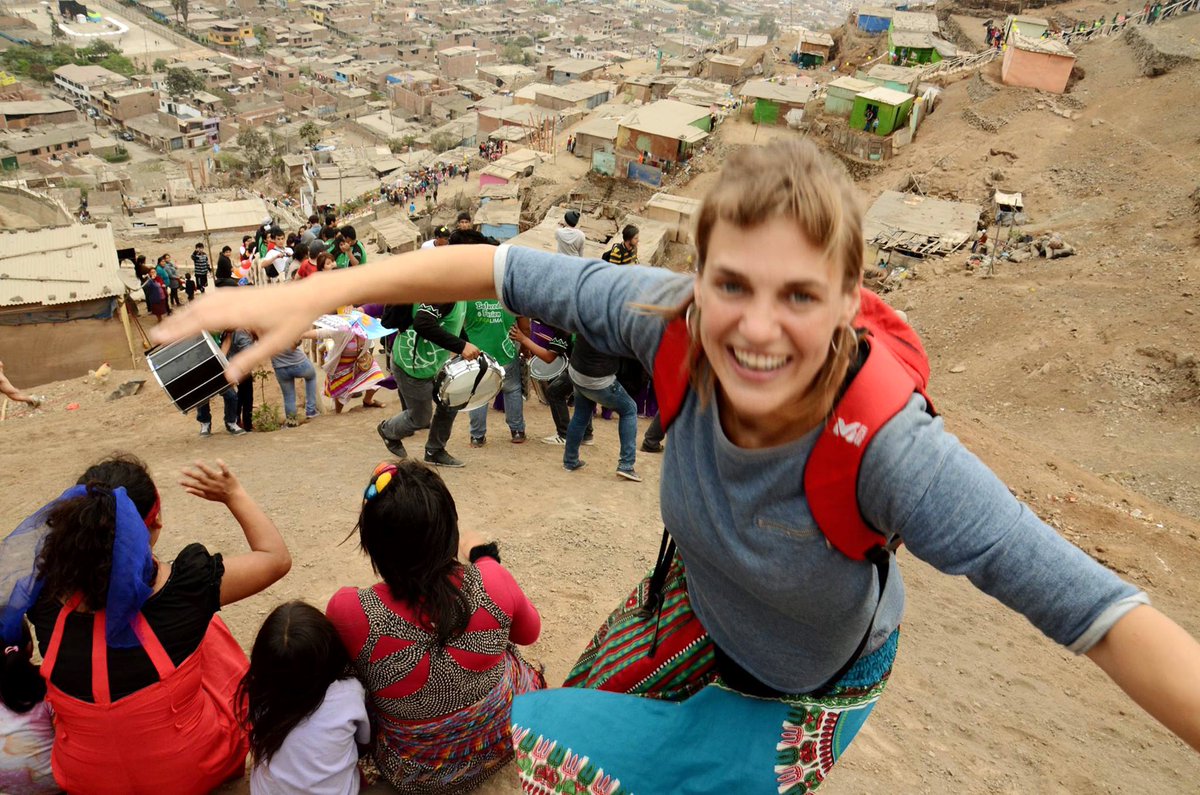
(1078, 385)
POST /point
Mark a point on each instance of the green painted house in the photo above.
(841, 93)
(915, 38)
(890, 109)
(773, 102)
(897, 78)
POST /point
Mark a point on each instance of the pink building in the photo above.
(1044, 64)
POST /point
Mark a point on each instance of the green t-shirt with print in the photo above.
(341, 259)
(487, 326)
(419, 357)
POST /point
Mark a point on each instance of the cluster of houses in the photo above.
(424, 81)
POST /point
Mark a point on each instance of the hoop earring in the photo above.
(687, 318)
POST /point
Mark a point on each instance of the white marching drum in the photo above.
(466, 384)
(542, 373)
(546, 371)
(190, 371)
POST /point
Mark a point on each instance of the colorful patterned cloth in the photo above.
(350, 368)
(457, 752)
(442, 710)
(690, 731)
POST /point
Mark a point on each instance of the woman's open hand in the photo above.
(216, 484)
(278, 315)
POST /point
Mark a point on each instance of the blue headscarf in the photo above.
(129, 584)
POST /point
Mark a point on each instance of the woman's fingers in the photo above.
(269, 343)
(211, 312)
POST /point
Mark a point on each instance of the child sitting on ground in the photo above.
(26, 731)
(305, 712)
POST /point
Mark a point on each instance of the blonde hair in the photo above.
(792, 180)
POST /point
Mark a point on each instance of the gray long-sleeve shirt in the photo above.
(762, 579)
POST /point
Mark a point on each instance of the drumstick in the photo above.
(546, 337)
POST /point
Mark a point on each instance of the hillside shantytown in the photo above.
(386, 558)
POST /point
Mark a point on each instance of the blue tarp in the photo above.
(648, 175)
(870, 24)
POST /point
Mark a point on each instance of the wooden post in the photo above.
(123, 313)
(207, 239)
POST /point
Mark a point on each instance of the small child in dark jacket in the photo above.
(189, 286)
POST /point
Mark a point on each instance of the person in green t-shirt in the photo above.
(487, 326)
(346, 250)
(417, 355)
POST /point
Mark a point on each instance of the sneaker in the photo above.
(206, 429)
(394, 447)
(518, 437)
(652, 447)
(572, 467)
(442, 459)
(233, 429)
(588, 440)
(629, 474)
(555, 439)
(478, 441)
(294, 421)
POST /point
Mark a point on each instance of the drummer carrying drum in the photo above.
(551, 348)
(417, 356)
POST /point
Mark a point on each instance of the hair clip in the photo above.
(380, 478)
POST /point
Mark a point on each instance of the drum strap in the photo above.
(483, 368)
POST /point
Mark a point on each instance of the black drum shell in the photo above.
(190, 370)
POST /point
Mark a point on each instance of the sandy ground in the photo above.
(1078, 388)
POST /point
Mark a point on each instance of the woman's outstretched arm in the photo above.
(281, 314)
(1157, 663)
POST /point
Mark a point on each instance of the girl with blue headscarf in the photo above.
(140, 671)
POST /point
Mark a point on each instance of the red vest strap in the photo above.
(880, 389)
(671, 371)
(100, 691)
(52, 648)
(153, 647)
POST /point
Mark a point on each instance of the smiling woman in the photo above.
(777, 642)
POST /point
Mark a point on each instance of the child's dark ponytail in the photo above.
(21, 686)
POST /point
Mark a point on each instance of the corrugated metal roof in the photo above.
(764, 89)
(237, 214)
(886, 96)
(852, 84)
(58, 265)
(499, 211)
